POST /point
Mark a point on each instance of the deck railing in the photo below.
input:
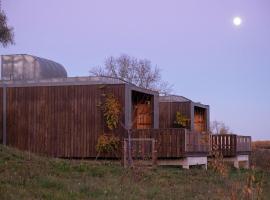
(243, 144)
(231, 145)
(197, 143)
(175, 143)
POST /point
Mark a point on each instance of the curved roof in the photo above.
(51, 68)
(28, 67)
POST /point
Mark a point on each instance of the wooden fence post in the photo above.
(125, 153)
(154, 153)
(185, 140)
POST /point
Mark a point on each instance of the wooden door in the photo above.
(199, 120)
(143, 116)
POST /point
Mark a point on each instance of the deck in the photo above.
(174, 143)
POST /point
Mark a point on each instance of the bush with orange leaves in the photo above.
(107, 143)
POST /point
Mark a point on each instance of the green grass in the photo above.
(27, 176)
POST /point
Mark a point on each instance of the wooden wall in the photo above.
(59, 121)
(167, 112)
(1, 115)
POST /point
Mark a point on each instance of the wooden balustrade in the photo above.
(175, 143)
(231, 145)
(197, 143)
(243, 144)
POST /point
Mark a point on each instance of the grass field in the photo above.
(261, 145)
(26, 176)
(260, 156)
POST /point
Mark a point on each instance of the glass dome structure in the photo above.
(28, 67)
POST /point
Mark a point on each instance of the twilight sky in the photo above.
(194, 42)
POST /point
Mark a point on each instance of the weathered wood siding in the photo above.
(60, 121)
(1, 115)
(167, 112)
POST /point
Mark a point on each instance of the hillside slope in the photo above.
(27, 176)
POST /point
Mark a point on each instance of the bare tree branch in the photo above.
(219, 128)
(137, 71)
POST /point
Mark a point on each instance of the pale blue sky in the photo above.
(194, 42)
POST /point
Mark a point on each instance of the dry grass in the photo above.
(261, 145)
(260, 157)
(33, 177)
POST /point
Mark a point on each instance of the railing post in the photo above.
(185, 140)
(250, 142)
(154, 152)
(235, 144)
(129, 148)
(125, 153)
(210, 144)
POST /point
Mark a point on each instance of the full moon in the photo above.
(237, 21)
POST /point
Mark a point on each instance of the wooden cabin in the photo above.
(43, 111)
(61, 117)
(234, 148)
(196, 114)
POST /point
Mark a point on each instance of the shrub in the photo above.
(180, 120)
(112, 110)
(107, 144)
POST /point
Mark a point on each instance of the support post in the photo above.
(185, 166)
(246, 164)
(236, 163)
(205, 166)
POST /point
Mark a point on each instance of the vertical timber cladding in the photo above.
(1, 115)
(60, 121)
(167, 112)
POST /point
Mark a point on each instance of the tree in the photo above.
(140, 72)
(6, 32)
(219, 128)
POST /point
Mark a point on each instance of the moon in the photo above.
(237, 21)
